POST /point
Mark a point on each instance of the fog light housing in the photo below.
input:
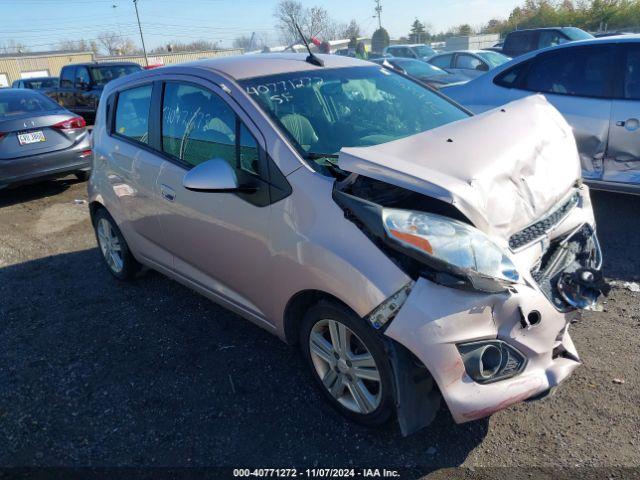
(492, 360)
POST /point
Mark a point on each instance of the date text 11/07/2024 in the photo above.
(316, 473)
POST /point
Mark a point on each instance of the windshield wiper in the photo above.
(319, 156)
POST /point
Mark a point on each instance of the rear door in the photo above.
(133, 168)
(220, 240)
(578, 81)
(623, 155)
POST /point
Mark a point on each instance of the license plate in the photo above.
(31, 137)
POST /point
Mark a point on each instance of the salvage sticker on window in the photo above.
(31, 137)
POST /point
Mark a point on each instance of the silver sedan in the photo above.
(595, 84)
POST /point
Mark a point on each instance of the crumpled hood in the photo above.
(503, 169)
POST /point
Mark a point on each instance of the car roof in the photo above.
(543, 28)
(409, 45)
(590, 41)
(248, 66)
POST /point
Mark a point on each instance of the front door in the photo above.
(220, 241)
(623, 154)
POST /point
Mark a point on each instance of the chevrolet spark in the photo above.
(416, 253)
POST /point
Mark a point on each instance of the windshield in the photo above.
(576, 33)
(418, 68)
(494, 59)
(423, 51)
(36, 84)
(102, 75)
(328, 109)
(20, 102)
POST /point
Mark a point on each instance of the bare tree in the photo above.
(248, 43)
(197, 45)
(81, 45)
(314, 21)
(109, 41)
(11, 46)
(351, 31)
(114, 44)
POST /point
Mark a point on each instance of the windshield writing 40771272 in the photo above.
(280, 91)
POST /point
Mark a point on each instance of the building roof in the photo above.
(48, 53)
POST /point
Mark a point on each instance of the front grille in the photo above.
(540, 228)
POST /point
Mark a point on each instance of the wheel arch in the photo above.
(94, 206)
(298, 305)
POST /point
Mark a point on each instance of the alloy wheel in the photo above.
(346, 366)
(110, 245)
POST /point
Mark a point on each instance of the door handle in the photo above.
(167, 193)
(631, 124)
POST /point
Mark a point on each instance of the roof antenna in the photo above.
(311, 58)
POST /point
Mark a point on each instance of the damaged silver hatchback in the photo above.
(414, 252)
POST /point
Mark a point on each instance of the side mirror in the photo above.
(482, 67)
(212, 176)
(83, 86)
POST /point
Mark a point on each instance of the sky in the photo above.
(41, 24)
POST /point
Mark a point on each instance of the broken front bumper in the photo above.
(435, 320)
(523, 331)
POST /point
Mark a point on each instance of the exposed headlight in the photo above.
(450, 241)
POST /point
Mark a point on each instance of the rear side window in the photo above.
(66, 78)
(82, 77)
(468, 62)
(582, 72)
(443, 61)
(520, 42)
(197, 126)
(550, 38)
(632, 73)
(132, 114)
(511, 78)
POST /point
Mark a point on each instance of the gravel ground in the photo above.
(98, 373)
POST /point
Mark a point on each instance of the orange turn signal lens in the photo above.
(418, 242)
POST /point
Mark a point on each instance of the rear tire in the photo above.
(82, 175)
(356, 378)
(113, 247)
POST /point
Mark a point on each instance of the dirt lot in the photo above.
(97, 373)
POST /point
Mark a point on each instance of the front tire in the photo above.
(115, 251)
(349, 363)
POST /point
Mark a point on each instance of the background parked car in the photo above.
(524, 41)
(415, 50)
(471, 63)
(39, 138)
(425, 72)
(40, 83)
(81, 85)
(595, 84)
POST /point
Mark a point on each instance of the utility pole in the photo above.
(378, 12)
(144, 50)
